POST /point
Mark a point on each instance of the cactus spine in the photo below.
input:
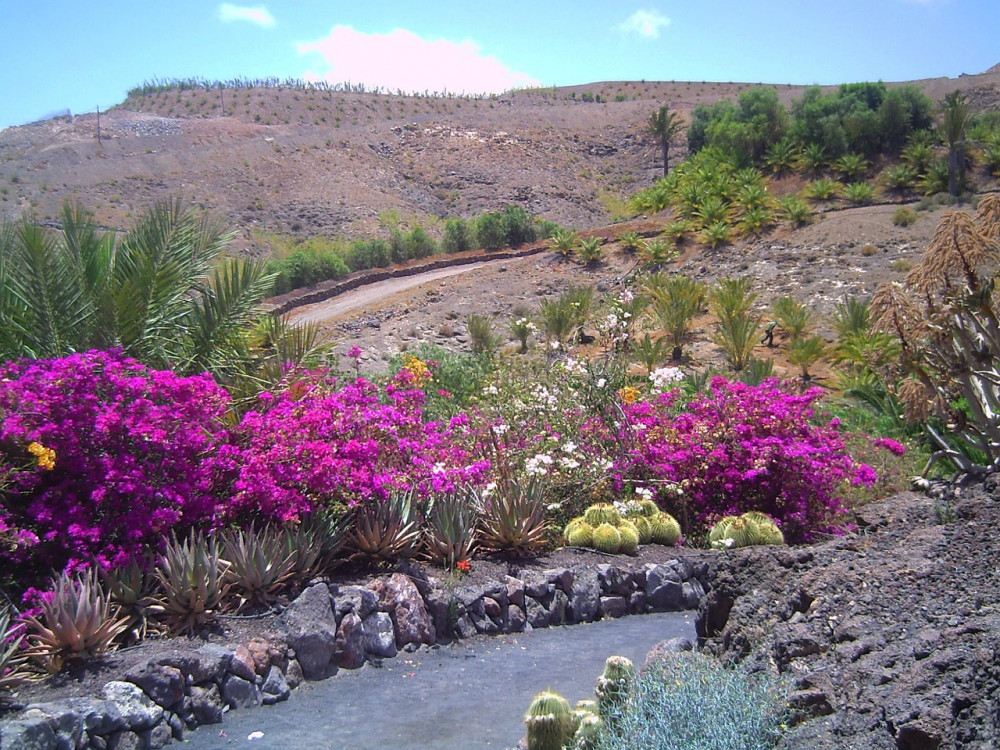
(613, 686)
(629, 538)
(581, 535)
(602, 513)
(550, 722)
(666, 530)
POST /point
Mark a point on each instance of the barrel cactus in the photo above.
(580, 535)
(550, 722)
(644, 528)
(607, 538)
(649, 508)
(588, 731)
(629, 535)
(751, 529)
(600, 513)
(720, 532)
(666, 530)
(614, 685)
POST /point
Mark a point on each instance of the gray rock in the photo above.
(663, 588)
(159, 736)
(464, 627)
(538, 616)
(350, 642)
(615, 581)
(312, 631)
(613, 607)
(163, 684)
(516, 619)
(400, 598)
(275, 689)
(439, 608)
(357, 599)
(128, 741)
(515, 591)
(28, 734)
(239, 693)
(202, 706)
(538, 587)
(637, 603)
(691, 593)
(293, 674)
(65, 722)
(484, 624)
(557, 612)
(380, 639)
(99, 717)
(176, 725)
(585, 600)
(138, 711)
(664, 649)
(561, 578)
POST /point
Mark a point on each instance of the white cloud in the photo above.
(403, 60)
(645, 23)
(258, 14)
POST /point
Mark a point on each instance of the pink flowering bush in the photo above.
(104, 456)
(739, 448)
(323, 444)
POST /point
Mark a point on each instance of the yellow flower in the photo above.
(417, 368)
(46, 457)
(629, 394)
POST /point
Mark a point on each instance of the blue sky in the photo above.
(77, 55)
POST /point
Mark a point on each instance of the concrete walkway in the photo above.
(472, 694)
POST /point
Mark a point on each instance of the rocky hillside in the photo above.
(306, 162)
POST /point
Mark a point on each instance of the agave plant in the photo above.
(131, 588)
(12, 656)
(513, 517)
(563, 241)
(314, 543)
(78, 622)
(850, 166)
(860, 193)
(794, 210)
(737, 336)
(805, 352)
(656, 252)
(481, 335)
(823, 189)
(386, 530)
(715, 234)
(898, 177)
(193, 582)
(651, 352)
(630, 242)
(450, 527)
(260, 564)
(793, 316)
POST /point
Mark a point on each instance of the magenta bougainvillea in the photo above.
(319, 443)
(741, 447)
(105, 456)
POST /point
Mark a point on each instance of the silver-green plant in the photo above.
(450, 533)
(513, 517)
(193, 585)
(260, 564)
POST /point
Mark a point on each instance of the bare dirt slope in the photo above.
(332, 163)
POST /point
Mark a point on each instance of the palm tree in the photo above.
(664, 125)
(954, 118)
(161, 293)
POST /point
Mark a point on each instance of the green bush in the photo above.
(457, 237)
(490, 231)
(461, 376)
(305, 266)
(692, 702)
(904, 216)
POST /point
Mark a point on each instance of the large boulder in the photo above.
(399, 597)
(311, 629)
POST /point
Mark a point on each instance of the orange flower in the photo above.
(629, 394)
(463, 566)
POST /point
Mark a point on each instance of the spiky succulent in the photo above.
(550, 722)
(649, 508)
(580, 535)
(192, 576)
(750, 529)
(12, 656)
(131, 587)
(260, 564)
(666, 530)
(78, 622)
(607, 539)
(386, 530)
(599, 513)
(644, 528)
(614, 685)
(629, 538)
(513, 518)
(450, 533)
(719, 532)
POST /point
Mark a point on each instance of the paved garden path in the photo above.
(469, 695)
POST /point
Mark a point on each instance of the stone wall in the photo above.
(330, 627)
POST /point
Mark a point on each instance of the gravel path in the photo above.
(471, 694)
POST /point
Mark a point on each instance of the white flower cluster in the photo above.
(644, 493)
(545, 400)
(574, 366)
(664, 376)
(538, 465)
(526, 325)
(628, 506)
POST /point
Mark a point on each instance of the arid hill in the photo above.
(306, 162)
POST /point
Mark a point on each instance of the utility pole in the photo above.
(222, 98)
(98, 123)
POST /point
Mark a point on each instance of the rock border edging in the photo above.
(334, 626)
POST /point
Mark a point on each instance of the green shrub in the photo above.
(692, 702)
(904, 216)
(517, 226)
(490, 231)
(823, 189)
(898, 177)
(305, 266)
(457, 236)
(794, 210)
(860, 193)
